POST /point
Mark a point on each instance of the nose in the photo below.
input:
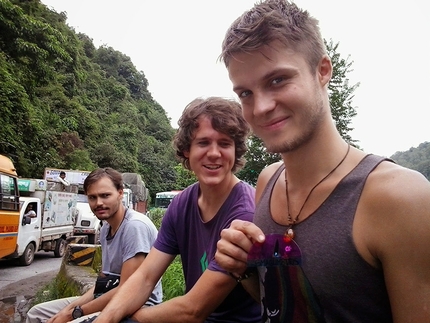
(214, 150)
(98, 201)
(263, 104)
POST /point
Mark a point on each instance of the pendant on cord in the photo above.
(289, 235)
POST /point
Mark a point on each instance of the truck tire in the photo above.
(60, 248)
(28, 256)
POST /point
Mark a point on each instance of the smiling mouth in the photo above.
(212, 167)
(274, 123)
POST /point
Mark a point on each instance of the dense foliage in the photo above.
(415, 158)
(66, 104)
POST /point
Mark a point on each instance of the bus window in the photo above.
(9, 195)
(163, 199)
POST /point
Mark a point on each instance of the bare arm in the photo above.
(133, 294)
(128, 268)
(396, 208)
(195, 306)
(88, 303)
(236, 241)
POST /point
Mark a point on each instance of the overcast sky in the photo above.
(176, 44)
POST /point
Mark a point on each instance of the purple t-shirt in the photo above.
(183, 232)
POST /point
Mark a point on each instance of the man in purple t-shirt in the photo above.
(211, 142)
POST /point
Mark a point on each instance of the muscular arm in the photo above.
(195, 306)
(393, 220)
(133, 294)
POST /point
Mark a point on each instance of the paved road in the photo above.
(19, 284)
(11, 271)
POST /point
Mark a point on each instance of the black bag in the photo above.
(105, 284)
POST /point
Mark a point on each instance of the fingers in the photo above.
(253, 232)
(235, 242)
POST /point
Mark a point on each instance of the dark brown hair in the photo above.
(226, 117)
(275, 20)
(99, 173)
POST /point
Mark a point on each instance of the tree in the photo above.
(341, 92)
(415, 158)
(184, 177)
(257, 158)
(65, 103)
(340, 96)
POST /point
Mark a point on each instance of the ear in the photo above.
(325, 70)
(187, 154)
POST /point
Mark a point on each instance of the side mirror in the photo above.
(26, 220)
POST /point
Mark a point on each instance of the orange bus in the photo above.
(9, 207)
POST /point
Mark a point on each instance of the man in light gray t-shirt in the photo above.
(126, 238)
(126, 243)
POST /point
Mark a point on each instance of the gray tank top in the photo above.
(345, 288)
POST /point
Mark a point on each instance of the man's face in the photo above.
(104, 199)
(211, 155)
(281, 98)
(63, 176)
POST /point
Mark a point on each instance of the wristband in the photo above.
(248, 273)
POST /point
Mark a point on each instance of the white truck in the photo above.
(51, 224)
(87, 224)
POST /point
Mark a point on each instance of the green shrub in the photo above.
(156, 215)
(173, 280)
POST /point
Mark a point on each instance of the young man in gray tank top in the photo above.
(358, 225)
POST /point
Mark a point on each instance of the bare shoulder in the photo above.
(264, 177)
(393, 183)
(394, 208)
(267, 172)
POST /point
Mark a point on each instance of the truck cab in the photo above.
(51, 223)
(86, 222)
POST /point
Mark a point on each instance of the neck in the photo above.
(312, 161)
(116, 220)
(211, 198)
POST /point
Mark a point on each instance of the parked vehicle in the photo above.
(51, 223)
(9, 207)
(140, 193)
(163, 199)
(87, 224)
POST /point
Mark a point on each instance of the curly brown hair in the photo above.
(226, 117)
(275, 20)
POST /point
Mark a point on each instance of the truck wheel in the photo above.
(28, 256)
(60, 248)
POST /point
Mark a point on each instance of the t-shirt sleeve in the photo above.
(167, 240)
(138, 239)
